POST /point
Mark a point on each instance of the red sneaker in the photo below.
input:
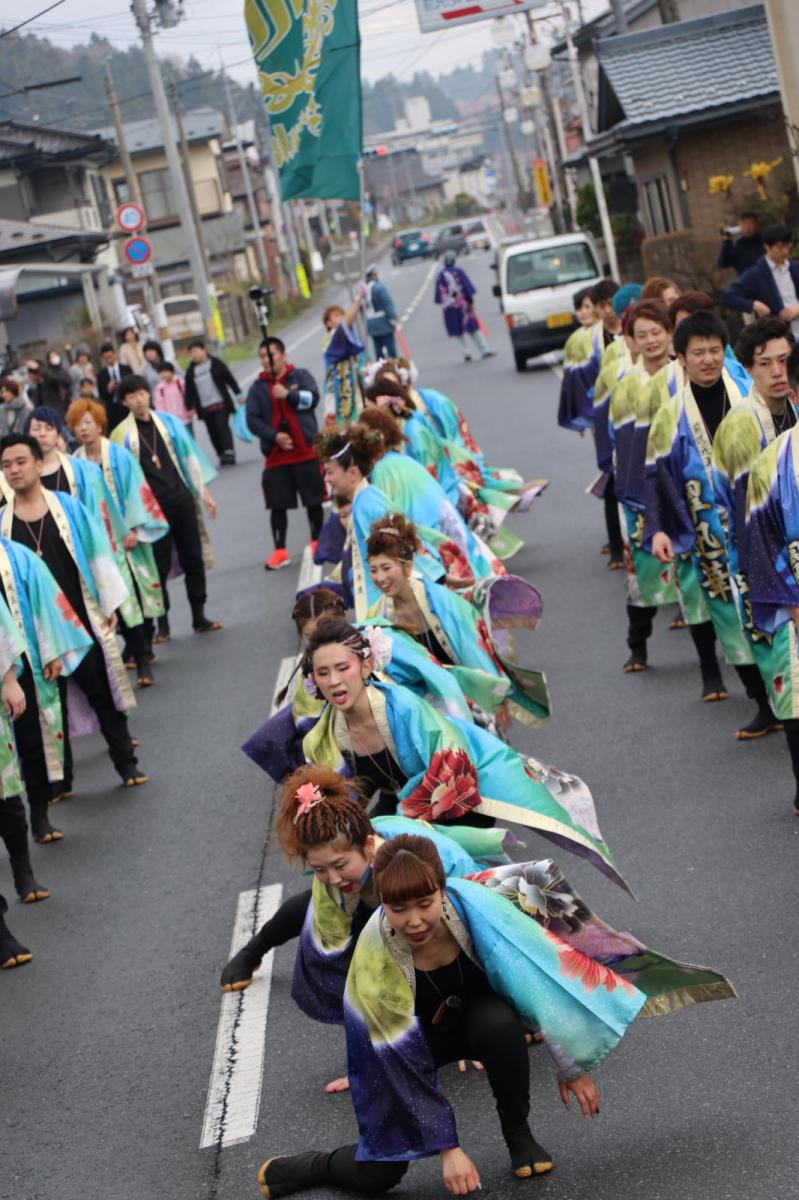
(276, 560)
(313, 548)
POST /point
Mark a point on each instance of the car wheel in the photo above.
(520, 359)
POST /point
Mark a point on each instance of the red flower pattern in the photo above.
(778, 683)
(67, 611)
(150, 503)
(454, 560)
(591, 974)
(448, 790)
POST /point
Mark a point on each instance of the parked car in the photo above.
(477, 236)
(451, 237)
(537, 282)
(410, 243)
(184, 317)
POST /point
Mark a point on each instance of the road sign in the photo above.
(542, 183)
(435, 15)
(137, 250)
(141, 270)
(129, 218)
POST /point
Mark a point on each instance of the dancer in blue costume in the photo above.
(450, 968)
(343, 347)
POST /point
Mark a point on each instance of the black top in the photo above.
(712, 403)
(380, 771)
(56, 481)
(607, 337)
(156, 462)
(431, 643)
(786, 421)
(461, 979)
(43, 535)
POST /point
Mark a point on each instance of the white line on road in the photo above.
(310, 573)
(425, 282)
(284, 673)
(234, 1093)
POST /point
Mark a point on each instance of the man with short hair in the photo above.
(682, 513)
(771, 286)
(109, 378)
(280, 412)
(81, 369)
(213, 391)
(381, 316)
(744, 252)
(61, 531)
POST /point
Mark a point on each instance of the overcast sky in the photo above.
(389, 32)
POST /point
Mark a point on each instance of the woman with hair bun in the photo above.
(322, 823)
(448, 968)
(428, 766)
(454, 630)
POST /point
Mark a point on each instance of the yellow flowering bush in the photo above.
(759, 172)
(719, 185)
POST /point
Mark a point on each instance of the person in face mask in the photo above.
(52, 382)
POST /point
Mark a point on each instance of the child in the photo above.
(170, 395)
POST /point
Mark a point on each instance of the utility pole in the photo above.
(263, 263)
(152, 288)
(596, 174)
(517, 175)
(196, 262)
(782, 25)
(185, 164)
(619, 17)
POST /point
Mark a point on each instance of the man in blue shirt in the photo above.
(381, 316)
(743, 253)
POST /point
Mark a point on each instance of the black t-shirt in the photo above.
(380, 771)
(786, 420)
(56, 481)
(156, 462)
(43, 535)
(712, 404)
(431, 643)
(461, 979)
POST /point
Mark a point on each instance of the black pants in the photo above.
(184, 532)
(279, 521)
(92, 680)
(284, 926)
(217, 422)
(639, 627)
(492, 1033)
(612, 522)
(30, 749)
(137, 643)
(792, 737)
(703, 636)
(752, 680)
(14, 828)
(385, 345)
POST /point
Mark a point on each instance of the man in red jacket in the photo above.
(280, 412)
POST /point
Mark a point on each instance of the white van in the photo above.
(536, 286)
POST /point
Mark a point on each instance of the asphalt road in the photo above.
(108, 1036)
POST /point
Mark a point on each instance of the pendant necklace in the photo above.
(36, 538)
(152, 450)
(446, 1001)
(784, 422)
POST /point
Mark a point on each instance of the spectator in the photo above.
(280, 412)
(381, 320)
(170, 395)
(130, 351)
(153, 357)
(212, 391)
(48, 383)
(15, 407)
(88, 390)
(82, 368)
(109, 378)
(771, 286)
(743, 253)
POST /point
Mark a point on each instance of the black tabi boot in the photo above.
(765, 722)
(12, 952)
(164, 633)
(42, 831)
(144, 673)
(293, 1173)
(704, 638)
(527, 1157)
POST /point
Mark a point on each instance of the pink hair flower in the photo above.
(307, 795)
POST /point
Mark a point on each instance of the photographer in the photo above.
(280, 412)
(743, 253)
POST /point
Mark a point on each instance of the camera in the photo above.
(257, 292)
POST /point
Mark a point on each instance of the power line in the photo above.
(28, 20)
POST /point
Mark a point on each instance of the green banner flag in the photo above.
(308, 54)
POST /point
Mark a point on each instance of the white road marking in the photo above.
(234, 1092)
(310, 573)
(420, 293)
(285, 671)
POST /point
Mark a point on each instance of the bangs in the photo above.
(407, 878)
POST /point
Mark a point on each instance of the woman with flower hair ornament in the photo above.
(428, 766)
(447, 968)
(470, 638)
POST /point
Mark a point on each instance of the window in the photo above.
(658, 205)
(551, 267)
(156, 190)
(121, 191)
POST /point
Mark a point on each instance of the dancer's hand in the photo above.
(210, 504)
(52, 670)
(112, 621)
(341, 1084)
(130, 540)
(463, 1065)
(13, 695)
(662, 548)
(459, 1172)
(585, 1091)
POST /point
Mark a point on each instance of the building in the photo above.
(270, 232)
(400, 187)
(679, 125)
(54, 211)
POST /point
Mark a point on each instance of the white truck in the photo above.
(536, 283)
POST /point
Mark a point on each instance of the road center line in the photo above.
(234, 1092)
(310, 573)
(284, 673)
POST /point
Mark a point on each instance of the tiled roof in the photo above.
(18, 139)
(691, 66)
(24, 235)
(200, 124)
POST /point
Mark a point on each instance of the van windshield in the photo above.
(550, 267)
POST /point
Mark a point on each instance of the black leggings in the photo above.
(639, 626)
(30, 749)
(279, 520)
(792, 737)
(285, 925)
(752, 680)
(490, 1032)
(612, 522)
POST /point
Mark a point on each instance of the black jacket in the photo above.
(224, 380)
(758, 284)
(114, 411)
(259, 407)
